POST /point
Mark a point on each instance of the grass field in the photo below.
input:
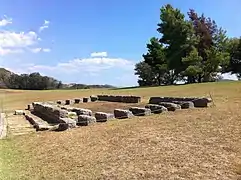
(187, 144)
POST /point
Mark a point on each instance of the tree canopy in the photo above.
(190, 48)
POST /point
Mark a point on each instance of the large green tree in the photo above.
(235, 56)
(146, 75)
(155, 57)
(177, 36)
(193, 49)
(212, 46)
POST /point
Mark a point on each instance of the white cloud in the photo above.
(17, 42)
(88, 65)
(10, 39)
(106, 70)
(5, 51)
(44, 26)
(5, 21)
(37, 50)
(46, 50)
(98, 54)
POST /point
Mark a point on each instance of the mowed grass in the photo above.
(201, 143)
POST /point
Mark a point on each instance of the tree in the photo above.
(235, 59)
(177, 36)
(155, 58)
(146, 77)
(211, 46)
(193, 66)
(33, 81)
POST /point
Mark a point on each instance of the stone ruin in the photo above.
(60, 115)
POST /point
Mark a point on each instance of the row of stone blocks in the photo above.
(110, 98)
(123, 99)
(77, 100)
(183, 101)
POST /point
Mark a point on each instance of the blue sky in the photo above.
(64, 39)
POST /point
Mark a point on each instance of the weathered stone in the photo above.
(68, 101)
(85, 120)
(198, 102)
(185, 104)
(122, 114)
(29, 107)
(69, 121)
(138, 111)
(61, 127)
(19, 112)
(77, 101)
(50, 113)
(170, 106)
(69, 108)
(131, 99)
(156, 109)
(59, 102)
(38, 123)
(119, 98)
(157, 100)
(81, 111)
(72, 114)
(93, 98)
(202, 102)
(85, 99)
(209, 100)
(103, 117)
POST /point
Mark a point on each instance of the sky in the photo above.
(91, 42)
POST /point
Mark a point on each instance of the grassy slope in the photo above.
(189, 144)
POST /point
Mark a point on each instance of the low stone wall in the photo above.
(123, 99)
(198, 102)
(38, 123)
(50, 113)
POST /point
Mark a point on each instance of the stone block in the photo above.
(156, 109)
(85, 99)
(93, 98)
(19, 112)
(68, 101)
(122, 114)
(81, 111)
(85, 120)
(138, 111)
(185, 104)
(201, 102)
(71, 122)
(77, 100)
(170, 106)
(103, 117)
(59, 102)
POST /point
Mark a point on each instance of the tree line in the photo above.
(33, 81)
(192, 49)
